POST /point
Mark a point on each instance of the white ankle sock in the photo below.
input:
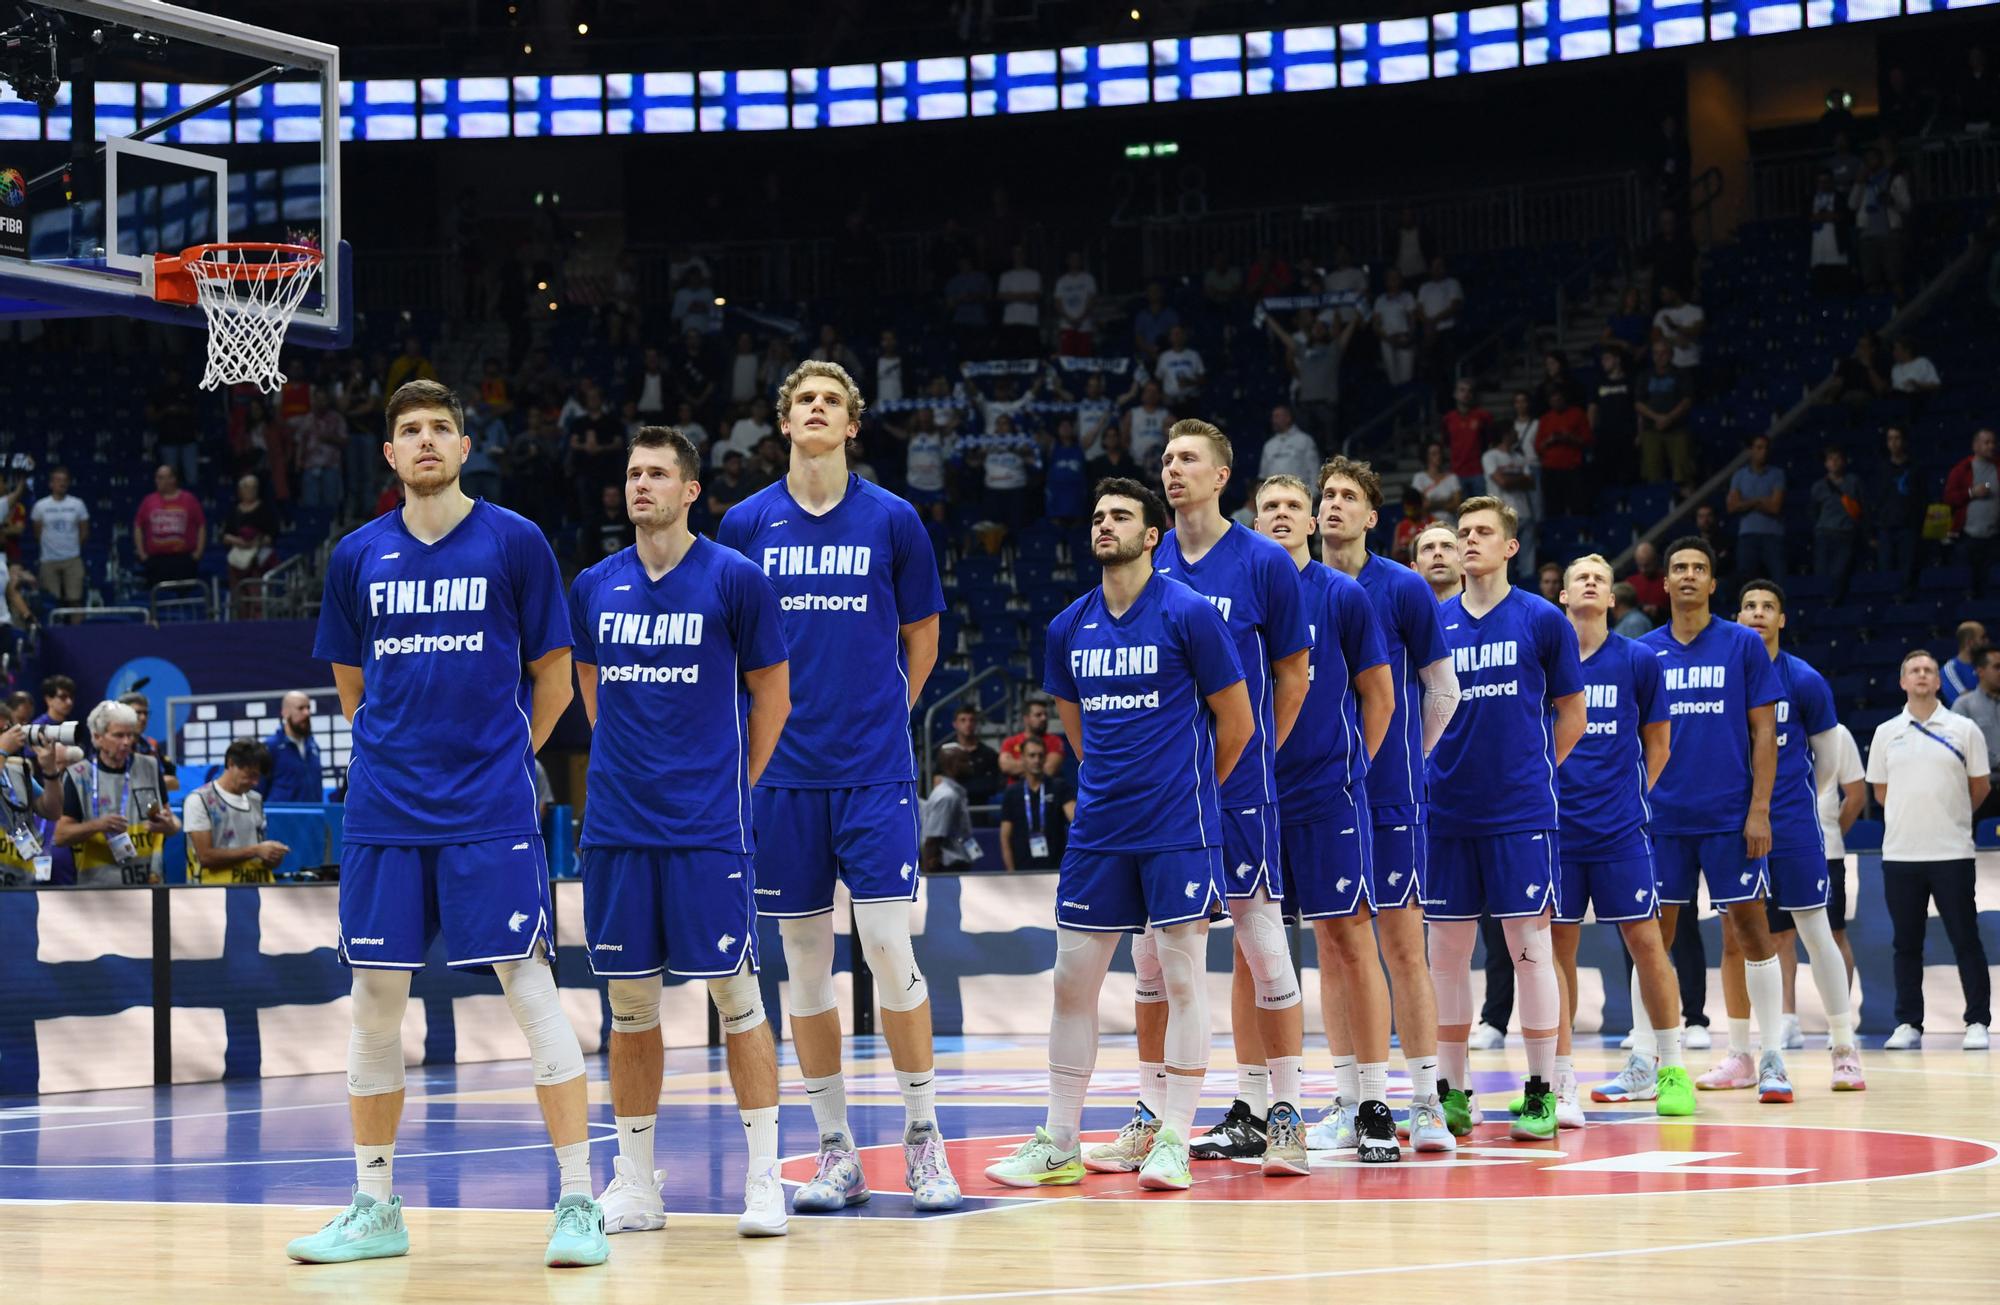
(635, 1140)
(1565, 1071)
(375, 1169)
(1670, 1047)
(1375, 1082)
(1766, 982)
(1739, 1036)
(1451, 1063)
(1542, 1058)
(1346, 1080)
(1286, 1073)
(1253, 1084)
(1643, 1039)
(760, 1128)
(829, 1102)
(1423, 1072)
(1153, 1085)
(919, 1096)
(573, 1164)
(1183, 1098)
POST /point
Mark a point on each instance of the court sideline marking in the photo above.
(1494, 1263)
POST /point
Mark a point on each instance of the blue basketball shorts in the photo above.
(1683, 859)
(1617, 886)
(1250, 855)
(1502, 875)
(688, 911)
(809, 837)
(1129, 891)
(1399, 864)
(1836, 899)
(490, 900)
(1326, 863)
(1799, 880)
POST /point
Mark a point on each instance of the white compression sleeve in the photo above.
(1440, 699)
(809, 962)
(884, 929)
(531, 994)
(375, 1043)
(1081, 962)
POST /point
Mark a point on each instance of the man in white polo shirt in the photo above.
(1929, 768)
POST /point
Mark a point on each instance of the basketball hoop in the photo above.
(248, 292)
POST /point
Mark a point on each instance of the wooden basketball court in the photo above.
(190, 1193)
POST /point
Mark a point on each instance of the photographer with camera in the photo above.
(115, 815)
(225, 822)
(31, 766)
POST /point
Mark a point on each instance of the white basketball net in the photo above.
(249, 311)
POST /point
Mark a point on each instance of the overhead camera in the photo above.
(29, 59)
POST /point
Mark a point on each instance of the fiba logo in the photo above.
(13, 188)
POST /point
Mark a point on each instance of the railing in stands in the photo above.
(102, 616)
(276, 595)
(961, 694)
(181, 600)
(1781, 185)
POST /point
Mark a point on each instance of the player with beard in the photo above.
(1436, 556)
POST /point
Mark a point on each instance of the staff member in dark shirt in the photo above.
(1034, 814)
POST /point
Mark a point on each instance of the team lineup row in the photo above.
(1257, 732)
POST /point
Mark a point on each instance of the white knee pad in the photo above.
(885, 940)
(635, 1004)
(809, 959)
(738, 1001)
(1535, 983)
(531, 994)
(1184, 970)
(1147, 984)
(1452, 942)
(1260, 935)
(375, 1043)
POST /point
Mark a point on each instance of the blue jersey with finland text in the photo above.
(1805, 710)
(1711, 683)
(1324, 754)
(1254, 583)
(1494, 768)
(1142, 682)
(847, 582)
(1602, 783)
(442, 633)
(669, 759)
(1407, 614)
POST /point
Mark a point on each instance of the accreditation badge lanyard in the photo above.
(1938, 739)
(21, 826)
(97, 808)
(1036, 801)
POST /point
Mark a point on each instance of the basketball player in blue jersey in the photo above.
(1606, 856)
(668, 632)
(1146, 677)
(858, 586)
(1254, 585)
(1712, 804)
(445, 626)
(1426, 695)
(1323, 827)
(1807, 742)
(1493, 814)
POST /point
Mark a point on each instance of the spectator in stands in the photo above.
(1411, 247)
(1145, 427)
(1680, 324)
(1065, 488)
(1011, 462)
(1035, 815)
(319, 441)
(1757, 501)
(1827, 249)
(169, 531)
(727, 485)
(767, 463)
(1843, 164)
(1665, 398)
(1709, 526)
(1972, 491)
(1394, 318)
(1034, 724)
(1269, 275)
(145, 744)
(1549, 580)
(250, 533)
(62, 528)
(607, 530)
(224, 821)
(1929, 769)
(1349, 282)
(1222, 284)
(1630, 328)
(1555, 371)
(1626, 616)
(409, 365)
(1315, 368)
(981, 773)
(831, 348)
(969, 296)
(1858, 379)
(1881, 204)
(1181, 371)
(1288, 451)
(926, 459)
(1468, 428)
(1562, 441)
(1096, 412)
(1440, 486)
(1152, 322)
(1510, 477)
(1673, 166)
(1020, 296)
(743, 370)
(1896, 506)
(1114, 460)
(687, 423)
(596, 449)
(948, 843)
(1614, 422)
(1838, 518)
(1648, 580)
(1980, 704)
(1440, 299)
(1671, 253)
(750, 430)
(1075, 298)
(115, 814)
(176, 432)
(1978, 93)
(654, 387)
(1413, 522)
(1913, 372)
(295, 774)
(15, 614)
(778, 363)
(694, 377)
(1957, 677)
